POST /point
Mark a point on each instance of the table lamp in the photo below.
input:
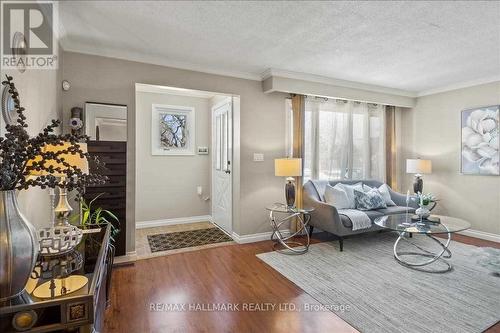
(418, 167)
(63, 209)
(290, 168)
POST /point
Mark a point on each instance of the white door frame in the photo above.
(230, 168)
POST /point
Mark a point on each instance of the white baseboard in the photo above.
(252, 238)
(130, 256)
(180, 220)
(482, 235)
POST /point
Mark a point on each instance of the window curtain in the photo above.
(343, 140)
(297, 139)
(391, 148)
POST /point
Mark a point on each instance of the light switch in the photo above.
(258, 157)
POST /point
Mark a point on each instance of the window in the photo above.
(343, 140)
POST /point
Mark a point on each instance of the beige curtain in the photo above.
(298, 118)
(390, 146)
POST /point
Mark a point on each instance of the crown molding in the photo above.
(460, 85)
(335, 82)
(156, 60)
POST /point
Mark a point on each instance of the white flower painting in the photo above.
(480, 141)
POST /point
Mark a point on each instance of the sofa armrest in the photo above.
(400, 199)
(324, 216)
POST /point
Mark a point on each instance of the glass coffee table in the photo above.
(279, 215)
(406, 228)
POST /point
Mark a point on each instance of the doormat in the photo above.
(183, 239)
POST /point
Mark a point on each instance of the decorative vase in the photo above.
(423, 211)
(18, 247)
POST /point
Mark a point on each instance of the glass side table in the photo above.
(279, 215)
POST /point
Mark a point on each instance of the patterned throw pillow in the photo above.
(369, 200)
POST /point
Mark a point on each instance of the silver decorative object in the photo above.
(59, 239)
(18, 247)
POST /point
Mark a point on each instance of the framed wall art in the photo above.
(480, 141)
(173, 130)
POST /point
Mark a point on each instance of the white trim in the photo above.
(156, 60)
(179, 220)
(252, 238)
(459, 85)
(161, 61)
(482, 235)
(130, 256)
(336, 82)
(157, 89)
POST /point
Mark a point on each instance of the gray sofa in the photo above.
(326, 217)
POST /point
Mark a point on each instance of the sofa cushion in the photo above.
(337, 196)
(372, 214)
(349, 189)
(369, 200)
(395, 210)
(384, 191)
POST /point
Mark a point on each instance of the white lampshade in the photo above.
(288, 167)
(418, 166)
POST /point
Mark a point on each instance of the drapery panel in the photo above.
(391, 148)
(297, 138)
(344, 140)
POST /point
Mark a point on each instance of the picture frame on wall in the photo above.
(479, 154)
(173, 130)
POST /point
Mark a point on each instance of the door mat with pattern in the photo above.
(183, 239)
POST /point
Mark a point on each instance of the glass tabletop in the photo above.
(403, 222)
(80, 261)
(282, 208)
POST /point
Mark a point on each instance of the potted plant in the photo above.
(95, 218)
(424, 201)
(24, 163)
(92, 219)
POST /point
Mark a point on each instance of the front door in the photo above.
(222, 138)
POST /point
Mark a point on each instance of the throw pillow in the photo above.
(336, 196)
(369, 200)
(349, 190)
(384, 191)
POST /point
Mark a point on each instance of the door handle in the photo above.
(227, 171)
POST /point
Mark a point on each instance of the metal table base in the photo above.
(431, 257)
(290, 246)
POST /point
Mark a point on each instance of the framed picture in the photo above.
(173, 130)
(480, 141)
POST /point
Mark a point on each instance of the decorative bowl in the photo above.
(58, 240)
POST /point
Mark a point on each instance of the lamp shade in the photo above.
(73, 160)
(288, 167)
(418, 166)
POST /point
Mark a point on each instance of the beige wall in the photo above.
(101, 79)
(166, 185)
(432, 130)
(40, 95)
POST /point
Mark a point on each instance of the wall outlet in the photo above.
(258, 157)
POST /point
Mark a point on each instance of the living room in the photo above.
(337, 166)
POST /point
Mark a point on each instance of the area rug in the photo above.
(178, 240)
(367, 288)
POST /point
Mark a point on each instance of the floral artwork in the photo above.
(480, 141)
(173, 130)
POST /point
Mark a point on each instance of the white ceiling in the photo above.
(413, 46)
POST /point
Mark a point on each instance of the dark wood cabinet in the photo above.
(81, 311)
(114, 192)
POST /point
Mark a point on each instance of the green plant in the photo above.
(425, 199)
(96, 217)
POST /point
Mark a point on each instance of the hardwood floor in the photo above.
(226, 275)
